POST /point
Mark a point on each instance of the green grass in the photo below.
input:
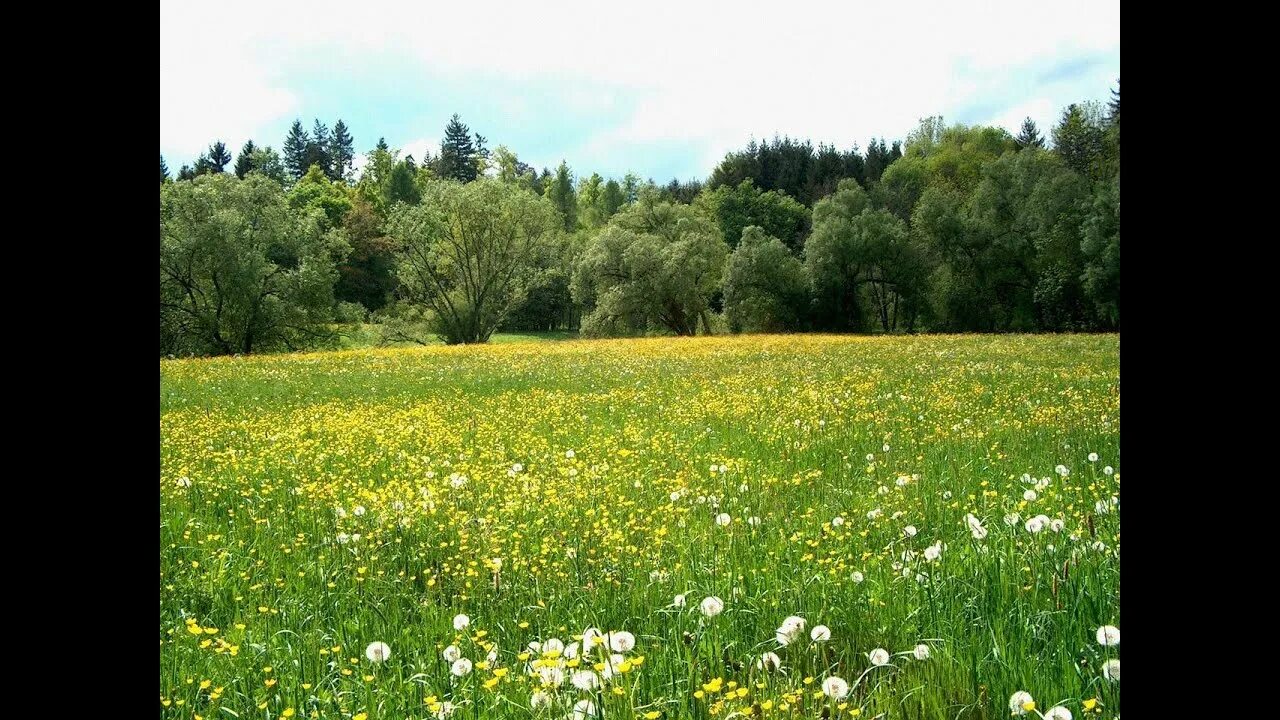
(259, 551)
(368, 335)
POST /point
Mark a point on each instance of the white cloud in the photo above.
(710, 75)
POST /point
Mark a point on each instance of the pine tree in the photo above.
(382, 145)
(342, 151)
(563, 196)
(318, 150)
(164, 170)
(186, 173)
(1029, 136)
(458, 153)
(244, 163)
(1114, 105)
(218, 157)
(1078, 139)
(295, 150)
(401, 187)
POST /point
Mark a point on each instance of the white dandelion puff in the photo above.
(879, 656)
(377, 652)
(460, 667)
(1109, 635)
(835, 688)
(712, 606)
(820, 633)
(461, 622)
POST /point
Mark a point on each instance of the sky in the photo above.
(661, 89)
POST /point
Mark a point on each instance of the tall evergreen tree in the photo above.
(219, 157)
(563, 196)
(1029, 136)
(319, 150)
(1079, 139)
(164, 169)
(458, 153)
(295, 150)
(342, 151)
(186, 173)
(382, 145)
(243, 162)
(1113, 106)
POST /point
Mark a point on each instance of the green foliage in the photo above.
(1029, 136)
(341, 152)
(164, 170)
(862, 260)
(243, 163)
(214, 160)
(1101, 249)
(241, 270)
(367, 276)
(466, 254)
(461, 156)
(563, 197)
(655, 266)
(295, 151)
(766, 288)
(794, 168)
(775, 213)
(1079, 139)
(315, 191)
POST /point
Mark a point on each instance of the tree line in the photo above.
(953, 229)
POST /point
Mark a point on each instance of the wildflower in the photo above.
(769, 662)
(452, 653)
(712, 606)
(1035, 525)
(621, 641)
(857, 577)
(1021, 703)
(460, 667)
(820, 633)
(723, 519)
(879, 656)
(377, 652)
(1057, 525)
(553, 645)
(1111, 670)
(921, 652)
(184, 482)
(1093, 457)
(1108, 470)
(1029, 496)
(835, 688)
(678, 601)
(359, 510)
(583, 709)
(461, 622)
(585, 680)
(1058, 712)
(933, 552)
(837, 521)
(1012, 519)
(1062, 470)
(909, 531)
(569, 454)
(539, 698)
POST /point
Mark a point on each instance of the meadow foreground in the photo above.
(765, 526)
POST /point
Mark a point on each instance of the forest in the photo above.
(951, 229)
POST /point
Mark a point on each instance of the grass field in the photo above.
(635, 528)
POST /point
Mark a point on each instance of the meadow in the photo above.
(749, 526)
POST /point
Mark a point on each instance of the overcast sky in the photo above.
(662, 89)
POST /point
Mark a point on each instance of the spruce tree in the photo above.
(295, 150)
(186, 173)
(563, 196)
(218, 157)
(164, 170)
(382, 145)
(1029, 136)
(244, 163)
(457, 152)
(318, 150)
(1078, 139)
(342, 151)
